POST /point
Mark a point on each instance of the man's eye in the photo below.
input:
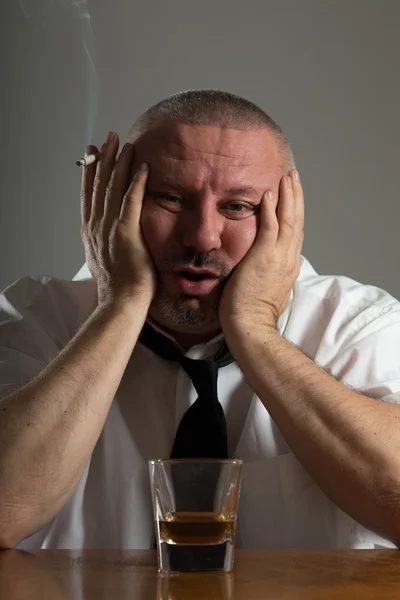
(168, 198)
(238, 207)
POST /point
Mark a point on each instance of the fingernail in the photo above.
(296, 175)
(144, 168)
(269, 195)
(110, 136)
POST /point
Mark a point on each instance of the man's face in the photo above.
(200, 213)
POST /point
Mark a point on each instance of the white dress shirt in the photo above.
(350, 329)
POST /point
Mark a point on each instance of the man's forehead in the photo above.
(197, 157)
(208, 142)
(231, 185)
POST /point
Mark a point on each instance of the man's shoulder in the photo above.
(336, 310)
(48, 298)
(339, 290)
(349, 328)
(39, 315)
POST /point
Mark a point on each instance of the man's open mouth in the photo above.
(191, 276)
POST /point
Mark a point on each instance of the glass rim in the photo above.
(230, 461)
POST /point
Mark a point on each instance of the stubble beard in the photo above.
(188, 311)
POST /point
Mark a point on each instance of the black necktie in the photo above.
(202, 430)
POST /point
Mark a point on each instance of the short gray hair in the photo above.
(213, 107)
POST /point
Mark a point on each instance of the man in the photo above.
(205, 244)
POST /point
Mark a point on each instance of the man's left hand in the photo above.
(259, 288)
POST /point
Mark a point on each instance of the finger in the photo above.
(286, 212)
(299, 212)
(105, 166)
(119, 183)
(294, 250)
(298, 233)
(88, 174)
(298, 200)
(133, 200)
(269, 228)
(300, 243)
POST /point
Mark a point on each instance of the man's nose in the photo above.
(203, 228)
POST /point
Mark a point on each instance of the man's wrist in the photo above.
(247, 329)
(134, 306)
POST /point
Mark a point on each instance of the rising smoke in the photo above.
(53, 13)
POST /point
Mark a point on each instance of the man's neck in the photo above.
(187, 339)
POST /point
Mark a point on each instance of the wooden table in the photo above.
(258, 574)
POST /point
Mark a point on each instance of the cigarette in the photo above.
(88, 159)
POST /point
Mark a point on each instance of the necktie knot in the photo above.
(204, 376)
(202, 430)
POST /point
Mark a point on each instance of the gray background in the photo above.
(326, 70)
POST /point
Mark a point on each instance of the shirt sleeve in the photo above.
(38, 317)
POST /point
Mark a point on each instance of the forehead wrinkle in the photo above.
(215, 140)
(242, 190)
(238, 163)
(198, 146)
(234, 161)
(183, 149)
(177, 161)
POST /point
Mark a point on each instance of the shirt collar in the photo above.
(198, 351)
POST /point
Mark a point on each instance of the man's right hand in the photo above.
(67, 403)
(115, 250)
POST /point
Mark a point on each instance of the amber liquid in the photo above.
(197, 528)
